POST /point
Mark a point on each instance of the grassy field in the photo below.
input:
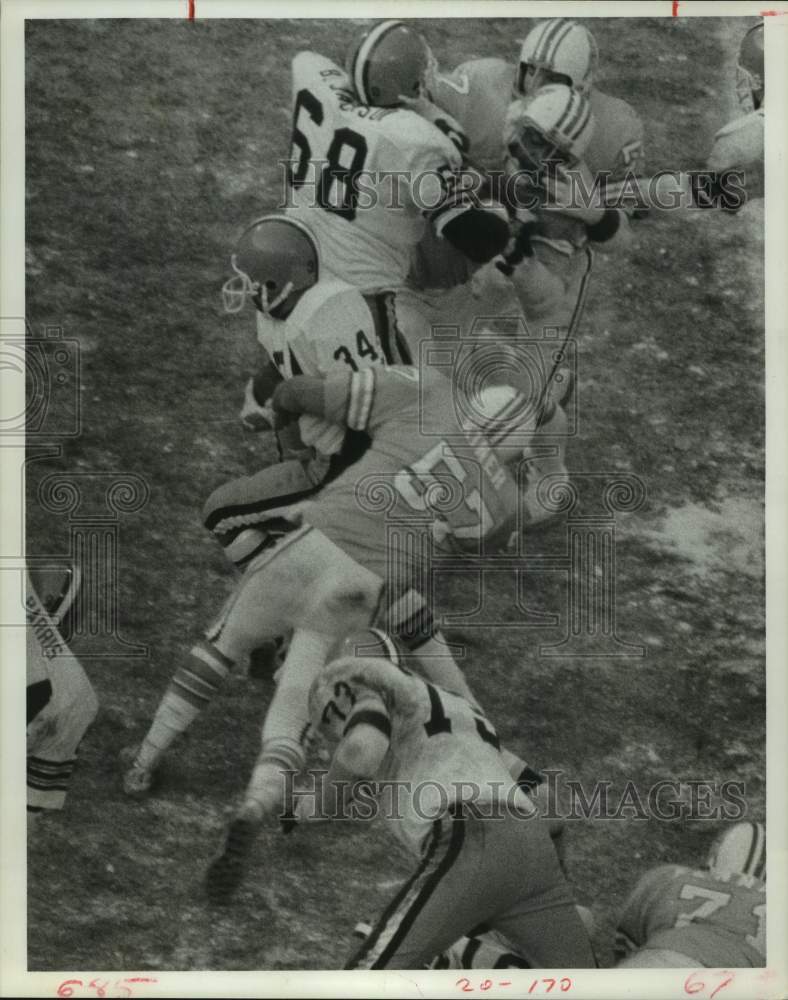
(149, 146)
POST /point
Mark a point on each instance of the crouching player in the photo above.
(484, 854)
(714, 916)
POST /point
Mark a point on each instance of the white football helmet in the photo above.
(554, 125)
(554, 49)
(741, 850)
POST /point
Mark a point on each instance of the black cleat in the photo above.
(227, 871)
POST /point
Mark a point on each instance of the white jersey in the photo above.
(367, 181)
(441, 750)
(333, 326)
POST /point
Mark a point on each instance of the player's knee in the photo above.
(368, 642)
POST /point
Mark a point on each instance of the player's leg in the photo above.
(552, 288)
(542, 924)
(235, 510)
(259, 608)
(341, 598)
(61, 705)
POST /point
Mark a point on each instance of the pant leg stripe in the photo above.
(457, 839)
(372, 939)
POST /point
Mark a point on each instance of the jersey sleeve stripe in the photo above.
(369, 717)
(362, 391)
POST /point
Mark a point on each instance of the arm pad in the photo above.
(606, 228)
(479, 233)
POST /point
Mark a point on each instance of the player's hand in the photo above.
(253, 416)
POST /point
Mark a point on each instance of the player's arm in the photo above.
(365, 741)
(634, 923)
(477, 227)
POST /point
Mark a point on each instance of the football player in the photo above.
(739, 145)
(714, 916)
(369, 175)
(61, 702)
(483, 853)
(552, 280)
(327, 563)
(478, 93)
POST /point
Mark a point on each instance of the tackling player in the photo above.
(713, 916)
(483, 853)
(369, 175)
(552, 279)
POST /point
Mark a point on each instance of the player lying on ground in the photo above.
(340, 564)
(715, 916)
(484, 855)
(61, 702)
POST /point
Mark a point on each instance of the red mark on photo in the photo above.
(99, 987)
(675, 11)
(191, 10)
(693, 984)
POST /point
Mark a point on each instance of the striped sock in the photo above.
(191, 690)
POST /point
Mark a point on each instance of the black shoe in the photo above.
(227, 871)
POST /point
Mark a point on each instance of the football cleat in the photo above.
(749, 70)
(388, 64)
(555, 125)
(557, 51)
(275, 261)
(137, 780)
(741, 850)
(226, 872)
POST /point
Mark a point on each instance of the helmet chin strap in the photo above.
(240, 287)
(268, 307)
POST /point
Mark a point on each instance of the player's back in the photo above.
(442, 751)
(476, 94)
(616, 146)
(364, 179)
(422, 475)
(719, 921)
(332, 326)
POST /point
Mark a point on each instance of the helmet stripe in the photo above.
(361, 63)
(578, 129)
(552, 28)
(757, 856)
(555, 42)
(568, 120)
